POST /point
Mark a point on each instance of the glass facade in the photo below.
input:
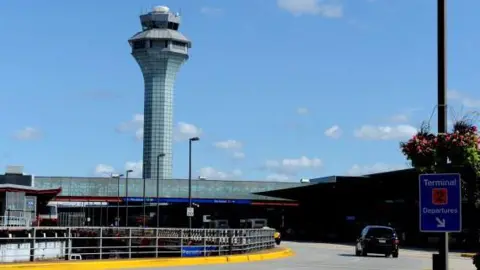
(159, 70)
(172, 188)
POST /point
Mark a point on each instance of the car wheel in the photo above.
(395, 254)
(357, 252)
(364, 253)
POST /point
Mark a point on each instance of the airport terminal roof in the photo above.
(171, 188)
(332, 184)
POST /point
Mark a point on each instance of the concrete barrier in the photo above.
(276, 253)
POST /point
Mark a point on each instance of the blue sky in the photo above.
(276, 90)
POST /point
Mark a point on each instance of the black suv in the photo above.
(379, 240)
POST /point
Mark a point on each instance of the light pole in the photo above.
(117, 176)
(194, 139)
(158, 187)
(126, 195)
(442, 264)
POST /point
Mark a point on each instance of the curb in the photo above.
(467, 255)
(145, 263)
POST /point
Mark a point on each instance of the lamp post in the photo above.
(143, 200)
(126, 195)
(158, 187)
(194, 139)
(442, 264)
(117, 176)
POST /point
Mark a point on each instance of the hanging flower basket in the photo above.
(461, 147)
(420, 149)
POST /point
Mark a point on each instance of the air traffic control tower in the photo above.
(160, 50)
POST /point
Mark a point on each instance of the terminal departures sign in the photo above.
(440, 203)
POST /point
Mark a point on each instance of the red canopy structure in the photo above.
(42, 194)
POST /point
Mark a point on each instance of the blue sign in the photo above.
(440, 202)
(184, 200)
(196, 251)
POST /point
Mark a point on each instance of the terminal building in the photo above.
(333, 208)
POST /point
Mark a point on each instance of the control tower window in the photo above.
(159, 43)
(154, 25)
(173, 26)
(179, 44)
(140, 44)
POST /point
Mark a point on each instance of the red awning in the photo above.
(30, 190)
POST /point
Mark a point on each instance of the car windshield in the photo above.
(380, 232)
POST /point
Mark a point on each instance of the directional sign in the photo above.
(440, 203)
(190, 212)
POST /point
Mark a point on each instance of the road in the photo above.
(312, 256)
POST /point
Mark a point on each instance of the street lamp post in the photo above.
(117, 176)
(126, 195)
(158, 187)
(143, 200)
(442, 264)
(194, 139)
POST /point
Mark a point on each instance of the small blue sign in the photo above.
(440, 202)
(185, 200)
(197, 251)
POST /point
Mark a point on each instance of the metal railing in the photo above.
(14, 221)
(64, 243)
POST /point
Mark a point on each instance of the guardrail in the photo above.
(65, 243)
(14, 221)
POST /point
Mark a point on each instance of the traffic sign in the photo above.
(190, 212)
(440, 202)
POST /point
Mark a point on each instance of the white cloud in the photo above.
(211, 11)
(232, 146)
(302, 111)
(328, 9)
(333, 132)
(369, 132)
(238, 155)
(184, 131)
(358, 170)
(134, 125)
(104, 170)
(278, 177)
(139, 134)
(27, 133)
(228, 144)
(136, 167)
(292, 166)
(214, 174)
(464, 99)
(107, 170)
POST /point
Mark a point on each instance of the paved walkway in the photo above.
(312, 256)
